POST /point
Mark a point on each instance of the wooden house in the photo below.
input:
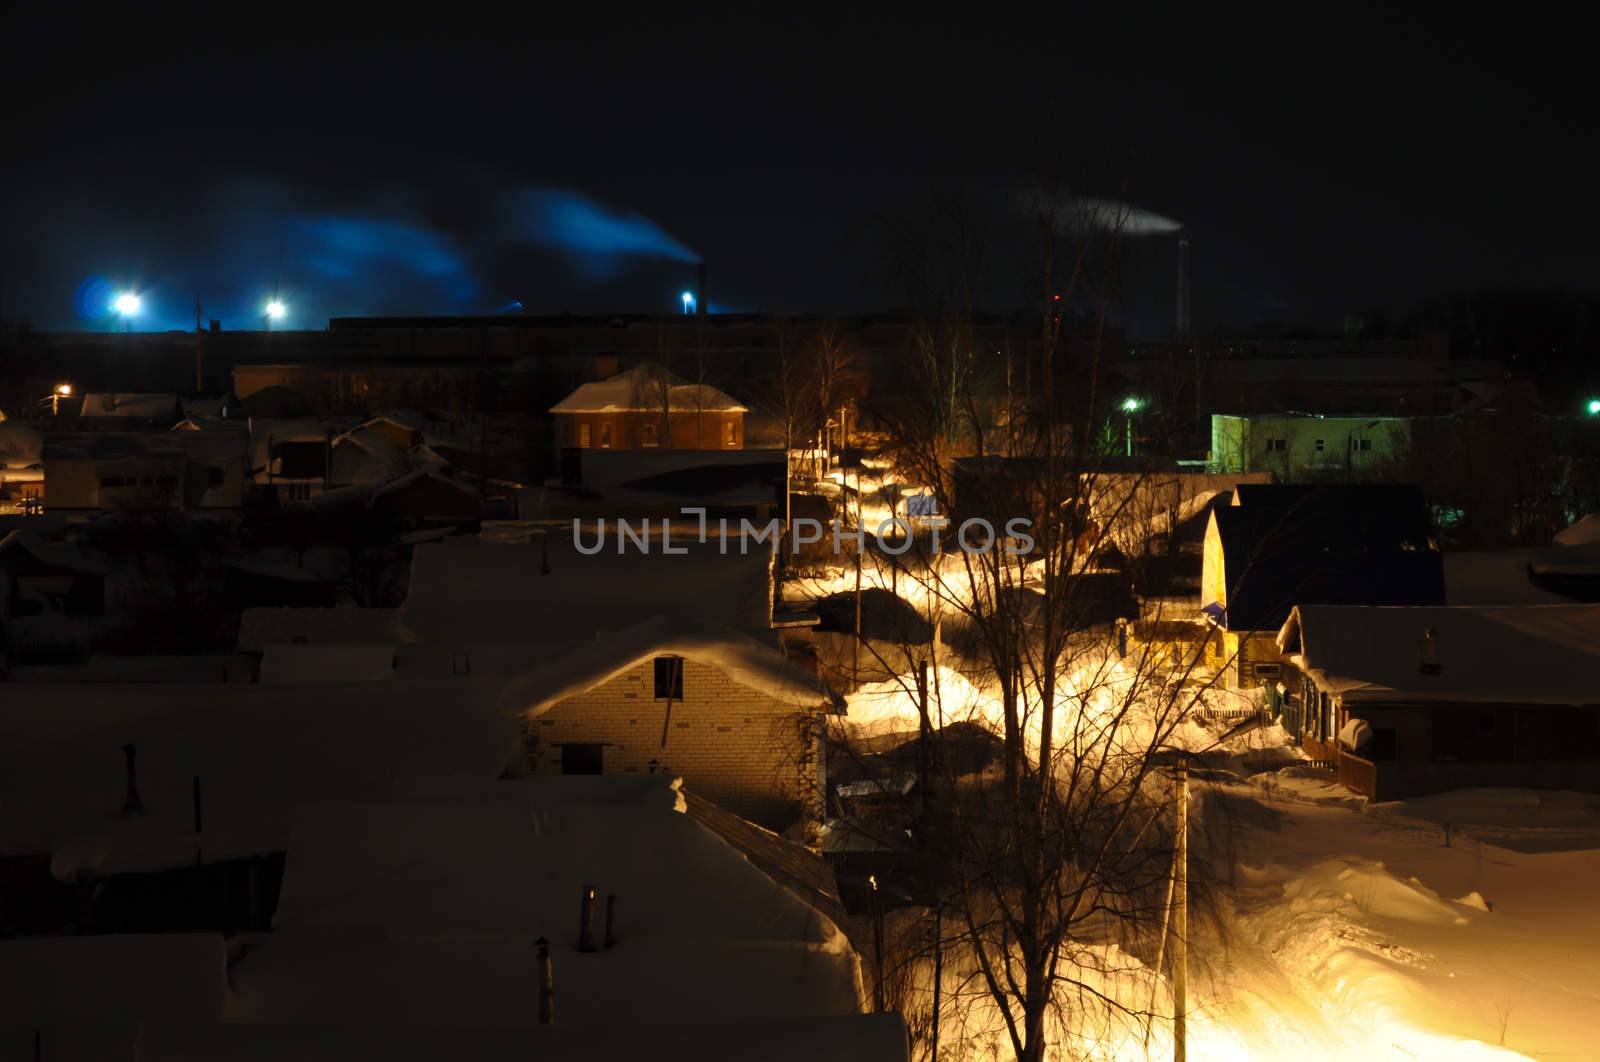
(1278, 546)
(1408, 701)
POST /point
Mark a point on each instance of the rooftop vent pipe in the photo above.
(1428, 663)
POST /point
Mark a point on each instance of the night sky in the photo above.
(1322, 162)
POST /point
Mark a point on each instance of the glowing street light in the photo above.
(62, 390)
(275, 311)
(1594, 407)
(688, 301)
(128, 305)
(1131, 405)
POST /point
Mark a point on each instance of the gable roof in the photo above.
(646, 388)
(56, 554)
(740, 657)
(1288, 545)
(430, 904)
(131, 404)
(1527, 654)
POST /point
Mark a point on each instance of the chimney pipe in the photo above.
(1428, 662)
(131, 804)
(1183, 286)
(700, 292)
(586, 920)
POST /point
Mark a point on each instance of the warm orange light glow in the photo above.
(63, 389)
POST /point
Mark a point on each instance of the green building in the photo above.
(1299, 447)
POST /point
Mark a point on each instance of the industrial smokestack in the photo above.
(700, 293)
(1183, 286)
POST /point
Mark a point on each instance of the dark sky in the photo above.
(1324, 161)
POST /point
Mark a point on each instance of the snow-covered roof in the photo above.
(131, 404)
(261, 627)
(738, 656)
(298, 665)
(437, 428)
(534, 590)
(1584, 531)
(1527, 654)
(259, 750)
(417, 475)
(20, 445)
(56, 554)
(131, 978)
(647, 388)
(428, 905)
(117, 445)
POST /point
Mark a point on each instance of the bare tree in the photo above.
(1047, 872)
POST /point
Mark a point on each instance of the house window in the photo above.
(730, 434)
(669, 678)
(583, 758)
(605, 434)
(1360, 446)
(1321, 446)
(213, 476)
(1277, 445)
(650, 438)
(297, 491)
(583, 435)
(1268, 671)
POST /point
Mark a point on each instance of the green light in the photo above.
(1132, 404)
(1594, 407)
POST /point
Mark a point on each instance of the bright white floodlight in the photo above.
(276, 310)
(127, 304)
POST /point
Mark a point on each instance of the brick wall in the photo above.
(747, 752)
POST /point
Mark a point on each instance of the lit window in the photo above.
(583, 435)
(731, 434)
(605, 434)
(650, 438)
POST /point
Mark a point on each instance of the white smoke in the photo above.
(1111, 215)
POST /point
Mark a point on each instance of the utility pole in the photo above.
(1180, 921)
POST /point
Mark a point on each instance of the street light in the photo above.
(688, 301)
(62, 390)
(1594, 407)
(275, 312)
(1131, 405)
(128, 304)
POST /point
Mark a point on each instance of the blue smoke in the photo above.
(368, 250)
(256, 240)
(597, 239)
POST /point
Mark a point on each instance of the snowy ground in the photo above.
(1356, 932)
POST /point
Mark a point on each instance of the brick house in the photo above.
(737, 720)
(1409, 701)
(647, 406)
